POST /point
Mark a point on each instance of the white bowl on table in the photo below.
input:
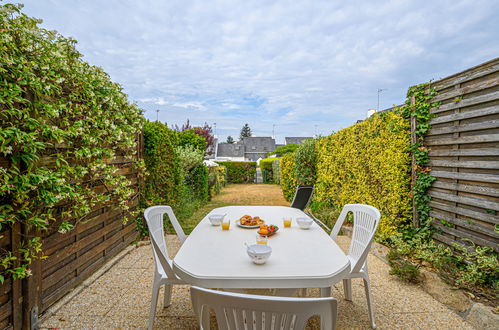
(259, 253)
(216, 219)
(304, 223)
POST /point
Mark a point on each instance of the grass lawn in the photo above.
(238, 194)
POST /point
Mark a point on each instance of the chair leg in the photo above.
(326, 292)
(154, 303)
(367, 287)
(347, 288)
(168, 295)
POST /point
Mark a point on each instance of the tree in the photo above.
(230, 139)
(245, 132)
(189, 137)
(282, 150)
(205, 132)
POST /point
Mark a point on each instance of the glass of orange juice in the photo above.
(286, 222)
(261, 239)
(225, 224)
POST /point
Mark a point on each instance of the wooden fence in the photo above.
(464, 157)
(71, 257)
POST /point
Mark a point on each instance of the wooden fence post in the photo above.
(32, 286)
(17, 298)
(415, 216)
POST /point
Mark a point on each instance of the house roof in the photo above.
(230, 150)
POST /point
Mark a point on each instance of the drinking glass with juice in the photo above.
(286, 222)
(225, 224)
(261, 240)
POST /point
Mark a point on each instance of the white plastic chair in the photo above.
(163, 273)
(365, 222)
(245, 311)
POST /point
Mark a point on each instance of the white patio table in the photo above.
(216, 258)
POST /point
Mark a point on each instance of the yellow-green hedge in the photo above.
(368, 163)
(288, 176)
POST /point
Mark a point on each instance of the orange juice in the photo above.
(225, 225)
(261, 240)
(287, 222)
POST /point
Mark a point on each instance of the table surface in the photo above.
(216, 258)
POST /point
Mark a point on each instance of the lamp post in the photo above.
(157, 114)
(273, 131)
(379, 92)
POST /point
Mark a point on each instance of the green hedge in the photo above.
(276, 170)
(288, 176)
(267, 171)
(239, 172)
(217, 177)
(167, 182)
(368, 163)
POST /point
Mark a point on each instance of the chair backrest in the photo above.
(245, 311)
(365, 222)
(154, 216)
(303, 194)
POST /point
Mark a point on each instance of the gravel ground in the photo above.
(120, 299)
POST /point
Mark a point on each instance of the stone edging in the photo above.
(478, 314)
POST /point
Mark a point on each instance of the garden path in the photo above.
(120, 297)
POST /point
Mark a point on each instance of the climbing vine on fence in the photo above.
(418, 105)
(64, 127)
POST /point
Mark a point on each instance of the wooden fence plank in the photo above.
(465, 140)
(465, 234)
(480, 189)
(464, 152)
(486, 217)
(468, 114)
(467, 102)
(478, 202)
(466, 176)
(460, 91)
(489, 164)
(464, 223)
(478, 71)
(488, 124)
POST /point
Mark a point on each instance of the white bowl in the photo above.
(216, 219)
(259, 253)
(304, 223)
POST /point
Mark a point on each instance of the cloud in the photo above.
(295, 64)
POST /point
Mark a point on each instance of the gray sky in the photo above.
(295, 64)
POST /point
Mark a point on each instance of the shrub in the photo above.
(189, 156)
(190, 138)
(305, 160)
(239, 172)
(197, 182)
(217, 179)
(65, 127)
(288, 176)
(402, 268)
(368, 163)
(266, 163)
(285, 149)
(266, 167)
(164, 171)
(276, 170)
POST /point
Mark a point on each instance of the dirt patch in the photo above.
(238, 194)
(252, 194)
